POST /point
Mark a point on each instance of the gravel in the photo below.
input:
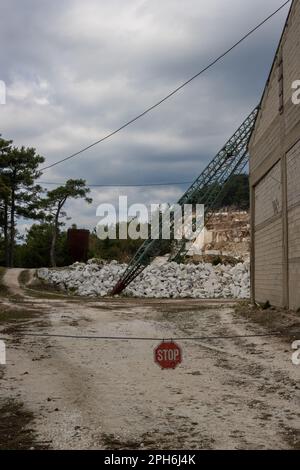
(170, 280)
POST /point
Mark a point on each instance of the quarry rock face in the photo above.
(169, 280)
(226, 233)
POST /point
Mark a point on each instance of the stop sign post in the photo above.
(168, 355)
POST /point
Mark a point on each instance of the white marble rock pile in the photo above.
(170, 280)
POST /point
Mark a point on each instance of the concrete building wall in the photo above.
(268, 198)
(268, 272)
(275, 178)
(268, 268)
(293, 202)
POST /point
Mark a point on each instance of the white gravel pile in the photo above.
(171, 280)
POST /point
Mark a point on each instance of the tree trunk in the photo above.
(53, 242)
(5, 230)
(12, 230)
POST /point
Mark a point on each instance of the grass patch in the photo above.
(292, 437)
(2, 272)
(12, 320)
(24, 277)
(15, 430)
(39, 292)
(8, 315)
(272, 319)
(43, 290)
(3, 288)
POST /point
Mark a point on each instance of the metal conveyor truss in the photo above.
(208, 189)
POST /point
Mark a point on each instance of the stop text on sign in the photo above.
(168, 355)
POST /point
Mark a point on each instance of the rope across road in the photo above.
(137, 338)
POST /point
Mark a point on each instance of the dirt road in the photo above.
(237, 393)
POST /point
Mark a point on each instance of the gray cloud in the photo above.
(76, 70)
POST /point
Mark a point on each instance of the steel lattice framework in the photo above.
(208, 189)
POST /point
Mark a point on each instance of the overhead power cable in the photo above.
(137, 185)
(151, 108)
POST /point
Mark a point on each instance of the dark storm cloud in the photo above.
(76, 70)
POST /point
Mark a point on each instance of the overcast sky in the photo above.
(76, 70)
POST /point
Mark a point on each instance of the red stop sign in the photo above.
(168, 355)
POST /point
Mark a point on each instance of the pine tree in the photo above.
(18, 171)
(53, 205)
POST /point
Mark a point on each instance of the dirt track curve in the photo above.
(239, 393)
